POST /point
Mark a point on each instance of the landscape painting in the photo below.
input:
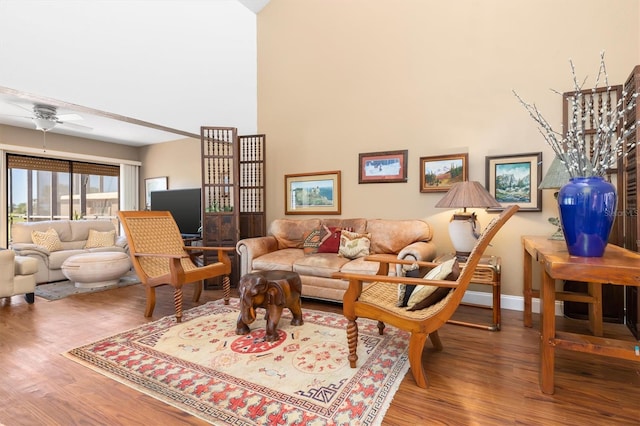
(313, 193)
(514, 179)
(439, 173)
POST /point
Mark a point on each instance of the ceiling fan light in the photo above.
(44, 124)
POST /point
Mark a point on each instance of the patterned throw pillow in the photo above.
(426, 295)
(313, 239)
(332, 243)
(48, 239)
(353, 244)
(100, 239)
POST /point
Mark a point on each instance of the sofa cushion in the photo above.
(56, 259)
(360, 266)
(354, 245)
(289, 233)
(48, 239)
(100, 239)
(281, 260)
(391, 236)
(319, 264)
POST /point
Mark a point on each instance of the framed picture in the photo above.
(154, 184)
(438, 173)
(515, 179)
(383, 167)
(312, 193)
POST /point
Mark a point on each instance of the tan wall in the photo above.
(179, 160)
(56, 142)
(337, 78)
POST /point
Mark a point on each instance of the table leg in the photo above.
(527, 285)
(547, 334)
(496, 305)
(595, 308)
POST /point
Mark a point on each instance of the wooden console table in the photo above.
(618, 266)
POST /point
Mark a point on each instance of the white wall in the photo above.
(179, 63)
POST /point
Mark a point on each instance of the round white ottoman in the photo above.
(90, 270)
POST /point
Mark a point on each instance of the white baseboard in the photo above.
(513, 303)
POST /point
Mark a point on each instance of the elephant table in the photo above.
(273, 291)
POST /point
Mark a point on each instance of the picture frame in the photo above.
(439, 172)
(383, 167)
(154, 184)
(515, 179)
(312, 193)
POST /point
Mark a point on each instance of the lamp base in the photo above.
(463, 233)
(558, 235)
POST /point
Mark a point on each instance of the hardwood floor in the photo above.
(481, 377)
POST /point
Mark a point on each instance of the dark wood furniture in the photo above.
(233, 190)
(487, 273)
(629, 199)
(617, 266)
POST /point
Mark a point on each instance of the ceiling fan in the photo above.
(46, 117)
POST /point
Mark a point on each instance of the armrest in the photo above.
(251, 248)
(223, 257)
(30, 249)
(420, 250)
(385, 262)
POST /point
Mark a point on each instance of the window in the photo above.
(51, 189)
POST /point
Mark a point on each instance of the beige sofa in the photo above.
(282, 249)
(73, 235)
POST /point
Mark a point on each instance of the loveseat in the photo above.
(292, 245)
(68, 238)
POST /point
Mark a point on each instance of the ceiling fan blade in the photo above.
(15, 116)
(69, 117)
(75, 126)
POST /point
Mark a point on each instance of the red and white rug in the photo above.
(202, 367)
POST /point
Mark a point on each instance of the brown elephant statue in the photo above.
(273, 291)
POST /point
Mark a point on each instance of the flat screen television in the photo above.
(184, 205)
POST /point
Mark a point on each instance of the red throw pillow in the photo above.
(331, 244)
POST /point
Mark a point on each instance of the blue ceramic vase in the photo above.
(587, 211)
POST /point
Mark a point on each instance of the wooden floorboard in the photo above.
(480, 378)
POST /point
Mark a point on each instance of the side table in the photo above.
(487, 273)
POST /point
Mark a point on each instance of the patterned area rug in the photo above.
(62, 289)
(202, 367)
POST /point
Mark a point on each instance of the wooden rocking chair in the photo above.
(160, 257)
(379, 301)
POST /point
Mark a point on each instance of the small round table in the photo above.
(100, 269)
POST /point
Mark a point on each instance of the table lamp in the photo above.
(463, 227)
(556, 177)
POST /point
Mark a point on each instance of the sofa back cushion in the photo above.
(80, 228)
(290, 233)
(21, 231)
(68, 230)
(391, 236)
(354, 225)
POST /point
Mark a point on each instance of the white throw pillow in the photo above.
(48, 239)
(439, 272)
(100, 239)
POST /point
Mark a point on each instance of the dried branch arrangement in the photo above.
(609, 120)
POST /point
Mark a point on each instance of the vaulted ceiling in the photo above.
(135, 72)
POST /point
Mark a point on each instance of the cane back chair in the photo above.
(160, 257)
(379, 300)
